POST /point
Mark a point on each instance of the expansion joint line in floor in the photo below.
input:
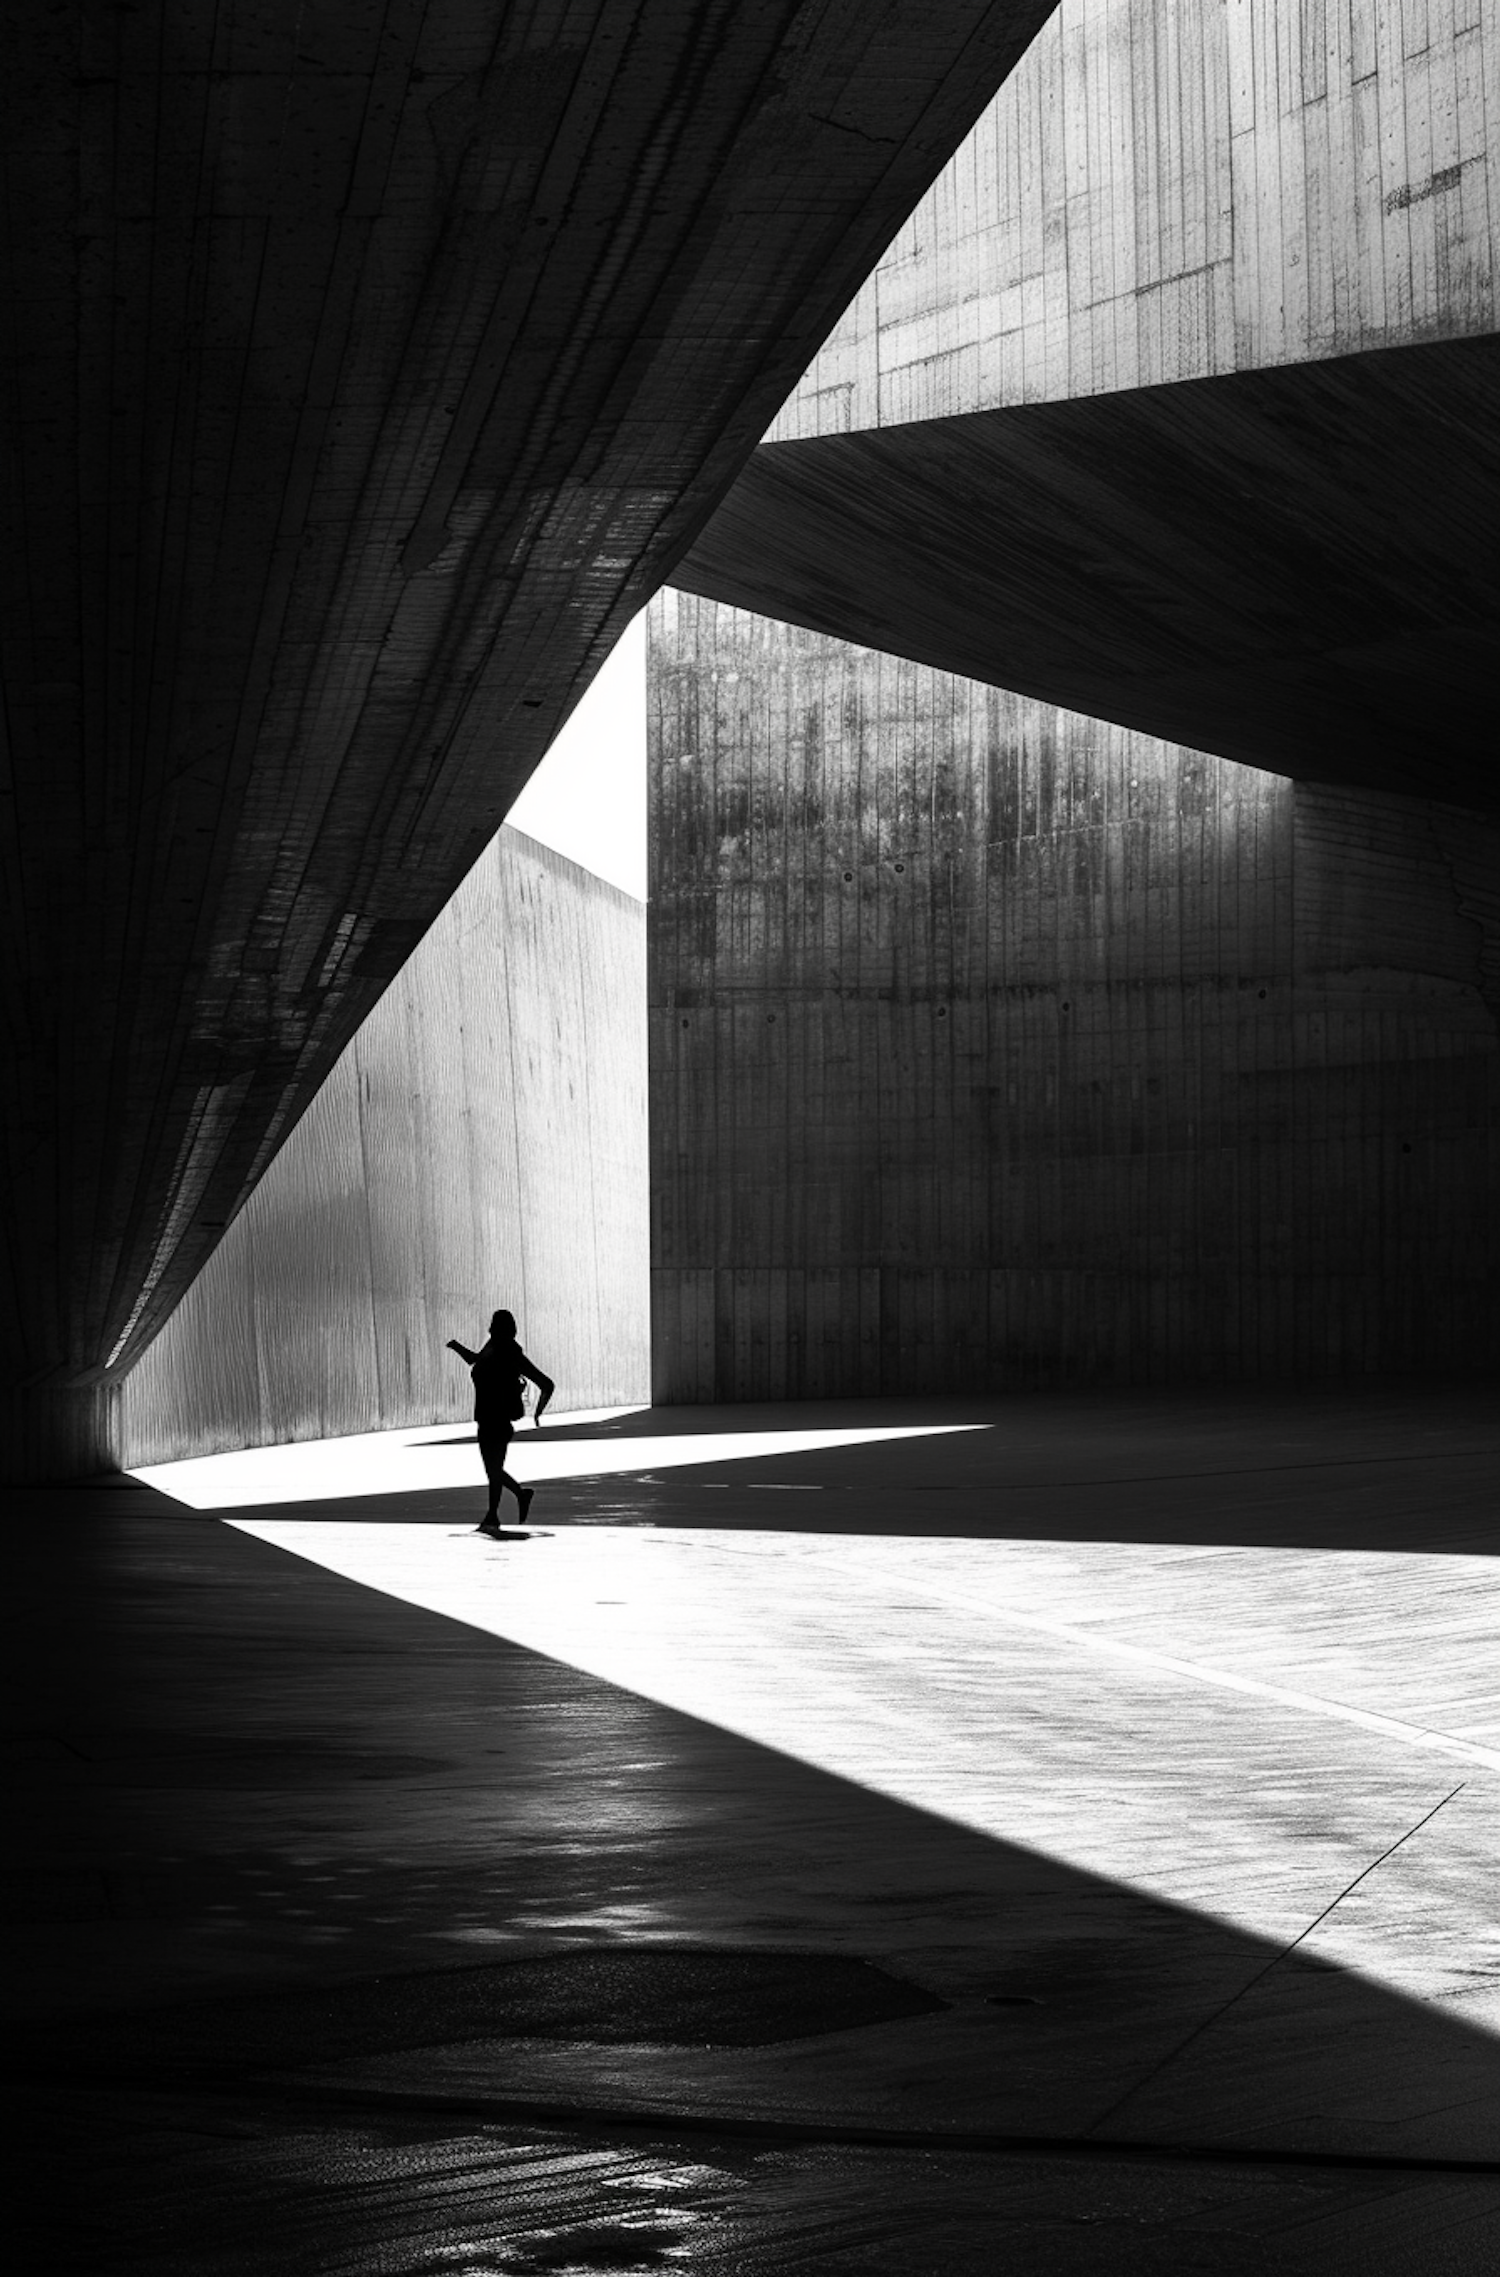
(1174, 2055)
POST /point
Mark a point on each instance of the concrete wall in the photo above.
(482, 1142)
(995, 1045)
(1168, 189)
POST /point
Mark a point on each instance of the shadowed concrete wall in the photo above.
(992, 1044)
(1168, 189)
(482, 1142)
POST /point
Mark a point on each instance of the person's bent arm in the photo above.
(544, 1385)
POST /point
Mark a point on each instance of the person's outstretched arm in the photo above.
(462, 1350)
(544, 1385)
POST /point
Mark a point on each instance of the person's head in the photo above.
(503, 1324)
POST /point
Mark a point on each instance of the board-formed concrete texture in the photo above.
(481, 1142)
(369, 367)
(993, 1045)
(1176, 189)
(997, 1044)
(1175, 401)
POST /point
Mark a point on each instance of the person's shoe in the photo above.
(490, 1526)
(524, 1501)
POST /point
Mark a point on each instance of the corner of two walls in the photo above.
(991, 1045)
(481, 1143)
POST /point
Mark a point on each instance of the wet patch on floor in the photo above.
(659, 1996)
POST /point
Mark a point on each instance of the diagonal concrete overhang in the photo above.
(371, 362)
(1296, 568)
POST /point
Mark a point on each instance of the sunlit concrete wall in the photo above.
(482, 1142)
(992, 1045)
(1168, 189)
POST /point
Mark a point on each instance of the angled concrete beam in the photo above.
(371, 364)
(1294, 568)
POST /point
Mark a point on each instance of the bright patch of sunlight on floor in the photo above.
(1228, 1730)
(445, 1455)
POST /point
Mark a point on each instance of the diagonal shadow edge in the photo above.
(1190, 1958)
(1428, 1738)
(1187, 1483)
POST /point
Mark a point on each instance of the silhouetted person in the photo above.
(500, 1374)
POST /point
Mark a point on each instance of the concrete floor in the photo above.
(1156, 1738)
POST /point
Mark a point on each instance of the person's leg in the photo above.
(494, 1446)
(521, 1493)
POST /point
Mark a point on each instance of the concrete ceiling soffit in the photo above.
(370, 365)
(1295, 568)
